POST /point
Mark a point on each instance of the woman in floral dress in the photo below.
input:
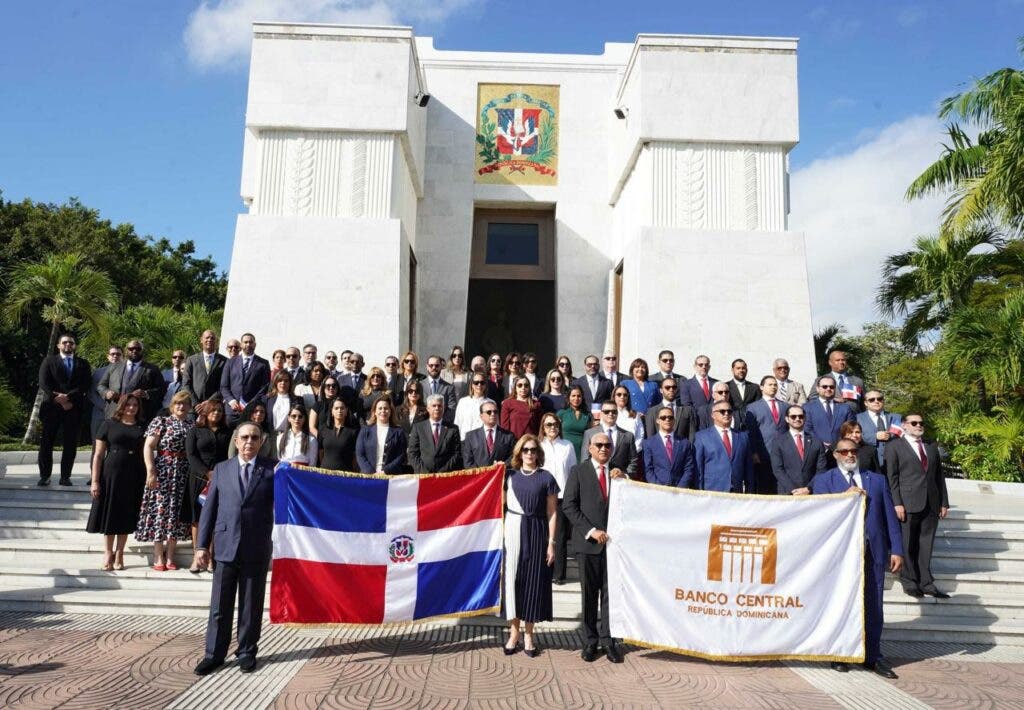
(160, 519)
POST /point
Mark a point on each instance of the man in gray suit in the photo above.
(134, 375)
(238, 519)
(849, 387)
(114, 355)
(435, 385)
(790, 391)
(624, 454)
(434, 444)
(202, 372)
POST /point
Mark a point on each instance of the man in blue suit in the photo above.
(875, 423)
(668, 457)
(723, 457)
(238, 518)
(246, 377)
(824, 414)
(696, 391)
(884, 547)
(770, 415)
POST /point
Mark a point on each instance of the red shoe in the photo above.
(159, 568)
(172, 566)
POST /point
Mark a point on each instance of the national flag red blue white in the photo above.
(362, 549)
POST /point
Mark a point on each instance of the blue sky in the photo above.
(137, 108)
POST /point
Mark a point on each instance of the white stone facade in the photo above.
(349, 183)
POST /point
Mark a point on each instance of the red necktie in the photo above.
(603, 482)
(775, 411)
(668, 446)
(704, 386)
(799, 445)
(923, 455)
(437, 434)
(726, 442)
(490, 441)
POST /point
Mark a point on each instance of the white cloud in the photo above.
(852, 210)
(219, 32)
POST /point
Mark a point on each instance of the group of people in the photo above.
(160, 436)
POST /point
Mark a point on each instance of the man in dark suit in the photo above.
(668, 457)
(741, 392)
(238, 519)
(796, 456)
(919, 493)
(849, 387)
(292, 356)
(883, 550)
(768, 415)
(696, 391)
(724, 457)
(173, 377)
(624, 456)
(875, 422)
(135, 375)
(433, 384)
(596, 388)
(246, 377)
(434, 444)
(64, 379)
(392, 379)
(202, 373)
(666, 361)
(350, 382)
(741, 420)
(684, 418)
(489, 443)
(114, 355)
(610, 369)
(825, 414)
(585, 504)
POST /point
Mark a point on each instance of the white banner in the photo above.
(737, 577)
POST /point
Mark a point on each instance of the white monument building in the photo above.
(400, 196)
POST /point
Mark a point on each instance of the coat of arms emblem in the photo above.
(517, 134)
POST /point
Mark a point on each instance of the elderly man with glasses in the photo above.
(919, 493)
(826, 414)
(884, 548)
(789, 390)
(624, 454)
(488, 442)
(723, 456)
(697, 391)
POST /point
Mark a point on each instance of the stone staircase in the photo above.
(48, 563)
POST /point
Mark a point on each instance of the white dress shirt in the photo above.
(559, 458)
(292, 451)
(467, 415)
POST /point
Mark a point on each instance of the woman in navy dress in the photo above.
(530, 526)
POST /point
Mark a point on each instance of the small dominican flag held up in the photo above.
(360, 549)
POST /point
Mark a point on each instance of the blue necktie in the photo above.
(68, 365)
(245, 478)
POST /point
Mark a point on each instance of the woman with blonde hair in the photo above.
(375, 387)
(531, 504)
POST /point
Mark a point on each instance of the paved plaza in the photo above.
(96, 661)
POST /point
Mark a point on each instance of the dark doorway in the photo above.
(512, 314)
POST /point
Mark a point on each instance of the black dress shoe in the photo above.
(510, 651)
(914, 592)
(840, 666)
(65, 481)
(208, 665)
(247, 664)
(613, 653)
(531, 652)
(881, 668)
(589, 653)
(43, 481)
(936, 593)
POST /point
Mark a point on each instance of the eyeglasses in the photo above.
(248, 437)
(553, 425)
(826, 387)
(532, 361)
(669, 387)
(610, 412)
(132, 348)
(601, 446)
(703, 364)
(296, 416)
(916, 422)
(846, 452)
(782, 367)
(727, 412)
(310, 352)
(529, 449)
(874, 399)
(668, 359)
(408, 361)
(177, 357)
(479, 383)
(522, 384)
(622, 394)
(610, 357)
(563, 364)
(292, 356)
(590, 364)
(456, 356)
(489, 412)
(330, 386)
(795, 416)
(233, 347)
(666, 418)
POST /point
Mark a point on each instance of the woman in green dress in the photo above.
(575, 418)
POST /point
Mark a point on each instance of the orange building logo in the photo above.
(742, 554)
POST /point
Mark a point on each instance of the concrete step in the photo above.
(954, 629)
(987, 608)
(19, 510)
(144, 580)
(194, 603)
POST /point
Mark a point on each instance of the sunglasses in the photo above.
(610, 412)
(846, 452)
(296, 416)
(234, 347)
(478, 382)
(795, 416)
(666, 418)
(602, 446)
(553, 425)
(408, 361)
(330, 386)
(456, 356)
(669, 387)
(668, 359)
(874, 399)
(916, 422)
(248, 437)
(563, 364)
(826, 387)
(489, 412)
(529, 449)
(523, 384)
(727, 412)
(132, 348)
(293, 356)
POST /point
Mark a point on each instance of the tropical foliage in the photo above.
(161, 329)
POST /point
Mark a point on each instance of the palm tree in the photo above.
(985, 177)
(926, 284)
(992, 340)
(161, 329)
(833, 337)
(70, 292)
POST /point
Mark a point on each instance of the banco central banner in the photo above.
(737, 577)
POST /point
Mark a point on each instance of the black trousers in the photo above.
(54, 419)
(918, 539)
(562, 537)
(594, 584)
(249, 581)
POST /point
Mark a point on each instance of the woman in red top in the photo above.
(520, 413)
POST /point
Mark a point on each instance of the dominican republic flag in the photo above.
(851, 392)
(352, 548)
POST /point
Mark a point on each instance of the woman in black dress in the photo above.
(530, 527)
(320, 414)
(413, 408)
(256, 413)
(338, 439)
(118, 475)
(206, 446)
